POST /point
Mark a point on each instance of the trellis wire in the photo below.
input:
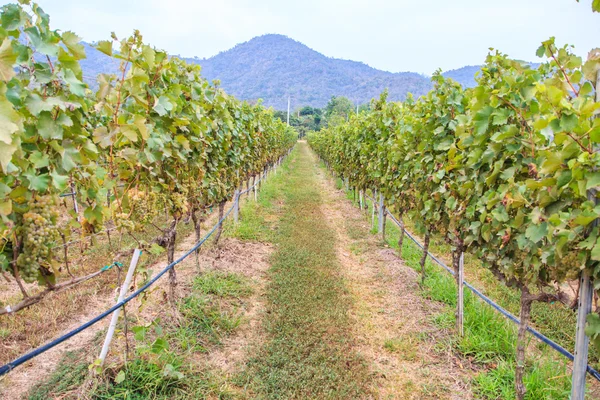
(28, 356)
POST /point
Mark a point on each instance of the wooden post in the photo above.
(236, 206)
(360, 198)
(115, 315)
(460, 305)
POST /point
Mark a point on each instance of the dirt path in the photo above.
(392, 321)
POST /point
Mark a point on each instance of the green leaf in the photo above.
(535, 233)
(11, 17)
(120, 377)
(39, 159)
(593, 180)
(47, 127)
(149, 55)
(105, 46)
(139, 333)
(569, 122)
(60, 182)
(595, 253)
(75, 85)
(72, 41)
(156, 249)
(540, 51)
(162, 106)
(10, 121)
(592, 328)
(38, 183)
(42, 43)
(6, 153)
(482, 119)
(159, 345)
(500, 116)
(171, 372)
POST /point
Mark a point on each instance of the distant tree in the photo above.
(364, 107)
(338, 109)
(308, 110)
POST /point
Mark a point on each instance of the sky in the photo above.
(392, 35)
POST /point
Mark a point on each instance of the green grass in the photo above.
(554, 320)
(489, 339)
(222, 284)
(207, 318)
(208, 314)
(67, 377)
(145, 379)
(308, 352)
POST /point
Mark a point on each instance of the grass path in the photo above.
(344, 316)
(310, 351)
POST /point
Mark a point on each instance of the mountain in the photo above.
(273, 67)
(96, 63)
(465, 75)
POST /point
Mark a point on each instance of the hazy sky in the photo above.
(393, 35)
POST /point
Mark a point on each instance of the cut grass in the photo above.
(69, 375)
(210, 312)
(309, 351)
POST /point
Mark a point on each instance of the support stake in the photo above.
(582, 341)
(115, 315)
(460, 306)
(381, 229)
(236, 206)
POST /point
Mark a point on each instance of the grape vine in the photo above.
(154, 137)
(506, 170)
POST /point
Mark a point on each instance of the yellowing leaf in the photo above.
(7, 60)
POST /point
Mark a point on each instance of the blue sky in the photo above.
(393, 35)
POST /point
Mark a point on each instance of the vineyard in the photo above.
(276, 284)
(506, 171)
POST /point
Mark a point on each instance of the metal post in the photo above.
(586, 294)
(74, 197)
(115, 315)
(582, 341)
(460, 306)
(288, 114)
(373, 209)
(256, 187)
(381, 214)
(236, 206)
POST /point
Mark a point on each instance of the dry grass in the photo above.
(60, 312)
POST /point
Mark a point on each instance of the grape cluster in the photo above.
(39, 233)
(179, 204)
(123, 221)
(144, 206)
